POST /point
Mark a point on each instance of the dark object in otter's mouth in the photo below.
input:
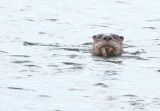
(107, 45)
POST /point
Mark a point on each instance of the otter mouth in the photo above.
(108, 46)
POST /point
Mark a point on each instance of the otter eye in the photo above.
(99, 37)
(115, 37)
(104, 38)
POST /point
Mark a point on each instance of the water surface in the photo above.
(46, 64)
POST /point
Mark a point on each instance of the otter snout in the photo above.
(107, 38)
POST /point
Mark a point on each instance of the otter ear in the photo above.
(121, 37)
(94, 36)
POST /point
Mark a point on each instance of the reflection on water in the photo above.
(46, 64)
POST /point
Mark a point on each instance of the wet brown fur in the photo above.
(107, 40)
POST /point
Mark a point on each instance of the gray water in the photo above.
(46, 64)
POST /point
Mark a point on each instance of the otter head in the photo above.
(110, 40)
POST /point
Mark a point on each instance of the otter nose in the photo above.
(107, 38)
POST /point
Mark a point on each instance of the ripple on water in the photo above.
(31, 65)
(19, 55)
(44, 96)
(71, 49)
(134, 101)
(40, 44)
(41, 32)
(153, 20)
(17, 88)
(71, 63)
(105, 26)
(114, 61)
(72, 56)
(111, 73)
(108, 59)
(3, 51)
(30, 44)
(52, 20)
(28, 19)
(57, 46)
(53, 65)
(22, 61)
(121, 2)
(73, 66)
(130, 95)
(28, 71)
(101, 84)
(142, 51)
(149, 28)
(88, 43)
(133, 57)
(128, 46)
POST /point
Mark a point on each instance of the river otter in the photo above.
(107, 45)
